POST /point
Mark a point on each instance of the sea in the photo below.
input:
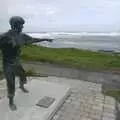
(83, 40)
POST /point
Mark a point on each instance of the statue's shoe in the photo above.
(24, 89)
(13, 107)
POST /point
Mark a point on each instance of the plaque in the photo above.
(45, 102)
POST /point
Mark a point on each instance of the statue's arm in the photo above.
(29, 40)
(3, 40)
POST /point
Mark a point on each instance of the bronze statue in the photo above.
(10, 45)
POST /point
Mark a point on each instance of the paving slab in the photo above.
(26, 103)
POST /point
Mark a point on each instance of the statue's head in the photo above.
(16, 23)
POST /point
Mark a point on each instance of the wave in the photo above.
(72, 34)
(92, 41)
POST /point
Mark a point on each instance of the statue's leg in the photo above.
(23, 80)
(10, 78)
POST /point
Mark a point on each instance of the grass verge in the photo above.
(29, 72)
(71, 57)
(113, 93)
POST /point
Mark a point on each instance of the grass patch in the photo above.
(1, 75)
(30, 72)
(71, 57)
(113, 93)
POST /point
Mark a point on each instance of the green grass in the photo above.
(1, 75)
(71, 57)
(113, 93)
(29, 72)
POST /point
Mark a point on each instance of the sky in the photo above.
(63, 15)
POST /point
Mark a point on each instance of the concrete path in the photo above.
(86, 101)
(108, 79)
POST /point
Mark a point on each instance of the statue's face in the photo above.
(18, 27)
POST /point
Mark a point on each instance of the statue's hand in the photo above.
(50, 40)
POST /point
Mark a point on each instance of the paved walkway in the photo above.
(86, 101)
(109, 80)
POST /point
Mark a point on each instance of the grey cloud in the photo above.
(41, 14)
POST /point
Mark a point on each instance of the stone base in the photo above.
(26, 102)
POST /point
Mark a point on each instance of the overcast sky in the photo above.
(63, 15)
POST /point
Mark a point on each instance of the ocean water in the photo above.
(89, 41)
